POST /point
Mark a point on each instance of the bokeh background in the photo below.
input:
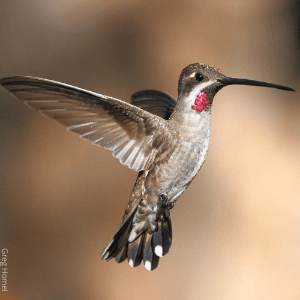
(236, 229)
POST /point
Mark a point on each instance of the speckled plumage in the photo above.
(165, 140)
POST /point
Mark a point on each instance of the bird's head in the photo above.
(198, 84)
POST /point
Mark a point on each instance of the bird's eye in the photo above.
(199, 77)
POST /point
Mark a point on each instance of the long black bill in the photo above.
(229, 80)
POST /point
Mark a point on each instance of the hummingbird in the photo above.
(165, 140)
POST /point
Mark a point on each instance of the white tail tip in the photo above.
(159, 251)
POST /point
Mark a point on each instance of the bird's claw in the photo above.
(165, 204)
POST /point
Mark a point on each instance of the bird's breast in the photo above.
(172, 171)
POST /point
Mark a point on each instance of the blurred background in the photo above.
(236, 229)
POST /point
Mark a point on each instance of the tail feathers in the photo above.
(151, 260)
(118, 241)
(147, 247)
(122, 255)
(162, 238)
(135, 251)
(157, 244)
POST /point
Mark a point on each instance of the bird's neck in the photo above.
(190, 123)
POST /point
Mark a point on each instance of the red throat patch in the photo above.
(201, 102)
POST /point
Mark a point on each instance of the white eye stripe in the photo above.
(204, 85)
(200, 87)
(193, 74)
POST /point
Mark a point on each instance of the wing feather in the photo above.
(128, 131)
(156, 102)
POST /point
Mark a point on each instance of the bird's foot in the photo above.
(165, 204)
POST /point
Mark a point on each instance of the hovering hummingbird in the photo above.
(165, 140)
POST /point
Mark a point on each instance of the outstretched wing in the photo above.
(155, 102)
(129, 131)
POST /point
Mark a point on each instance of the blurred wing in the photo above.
(127, 130)
(155, 102)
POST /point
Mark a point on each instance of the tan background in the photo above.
(237, 227)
